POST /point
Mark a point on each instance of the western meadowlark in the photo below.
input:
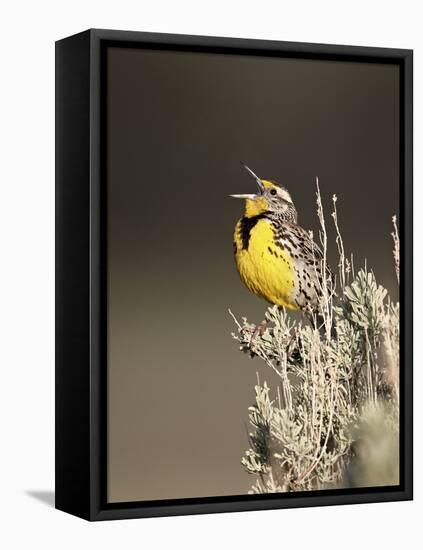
(276, 258)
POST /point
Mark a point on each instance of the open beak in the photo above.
(250, 196)
(259, 184)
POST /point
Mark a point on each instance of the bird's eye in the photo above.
(273, 192)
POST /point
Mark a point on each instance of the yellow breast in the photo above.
(264, 267)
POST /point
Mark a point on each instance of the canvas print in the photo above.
(253, 260)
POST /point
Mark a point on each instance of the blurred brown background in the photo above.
(179, 123)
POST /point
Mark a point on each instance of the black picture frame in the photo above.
(81, 274)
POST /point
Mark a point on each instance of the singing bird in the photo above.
(275, 257)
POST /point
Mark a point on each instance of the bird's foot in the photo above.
(258, 332)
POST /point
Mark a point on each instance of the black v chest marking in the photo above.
(246, 226)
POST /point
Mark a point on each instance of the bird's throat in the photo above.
(255, 207)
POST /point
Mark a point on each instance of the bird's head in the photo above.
(271, 199)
